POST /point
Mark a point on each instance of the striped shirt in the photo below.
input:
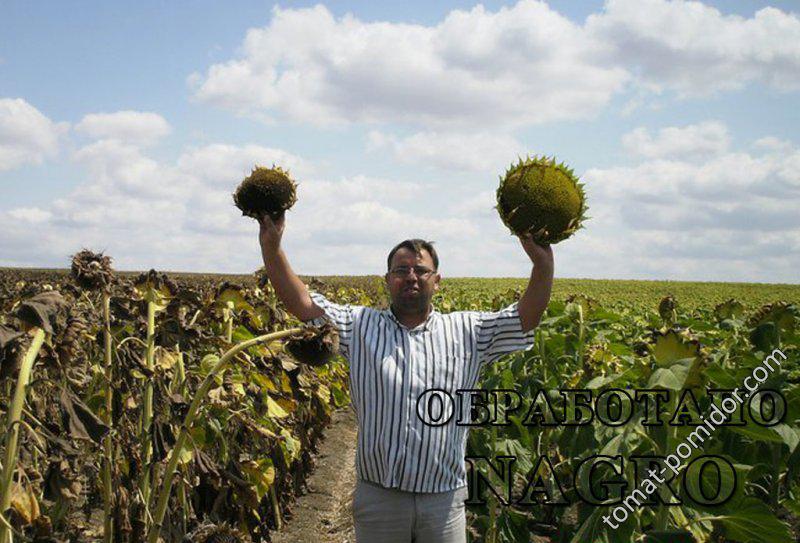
(392, 365)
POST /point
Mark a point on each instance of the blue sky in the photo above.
(124, 127)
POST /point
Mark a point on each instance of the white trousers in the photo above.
(388, 515)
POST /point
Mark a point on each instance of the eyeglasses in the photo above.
(420, 271)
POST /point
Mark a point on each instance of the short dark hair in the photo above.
(416, 245)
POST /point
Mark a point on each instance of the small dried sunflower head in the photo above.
(266, 190)
(315, 345)
(667, 306)
(216, 533)
(92, 271)
(729, 309)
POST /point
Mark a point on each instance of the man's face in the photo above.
(411, 292)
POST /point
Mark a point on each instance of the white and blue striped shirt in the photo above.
(392, 365)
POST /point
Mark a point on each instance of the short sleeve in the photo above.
(342, 316)
(500, 333)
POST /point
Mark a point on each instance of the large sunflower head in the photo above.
(543, 197)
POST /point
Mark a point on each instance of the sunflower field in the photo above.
(121, 422)
(154, 407)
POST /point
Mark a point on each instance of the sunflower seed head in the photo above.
(216, 533)
(92, 271)
(541, 196)
(315, 345)
(269, 191)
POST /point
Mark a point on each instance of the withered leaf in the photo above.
(9, 356)
(287, 364)
(81, 422)
(241, 486)
(43, 530)
(122, 520)
(163, 439)
(205, 464)
(47, 311)
(24, 503)
(57, 484)
(178, 406)
(7, 335)
(142, 368)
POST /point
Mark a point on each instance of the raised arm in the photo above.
(289, 288)
(534, 300)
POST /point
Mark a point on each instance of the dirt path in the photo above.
(324, 514)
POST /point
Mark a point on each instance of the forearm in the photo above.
(288, 286)
(534, 300)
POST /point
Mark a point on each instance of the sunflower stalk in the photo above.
(179, 381)
(12, 427)
(177, 386)
(581, 334)
(147, 409)
(108, 444)
(180, 372)
(661, 520)
(184, 502)
(229, 306)
(194, 408)
(276, 509)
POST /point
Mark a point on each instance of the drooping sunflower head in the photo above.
(667, 308)
(587, 303)
(730, 309)
(316, 345)
(783, 315)
(92, 271)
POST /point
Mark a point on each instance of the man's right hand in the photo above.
(270, 234)
(288, 287)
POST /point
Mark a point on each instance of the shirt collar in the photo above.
(429, 323)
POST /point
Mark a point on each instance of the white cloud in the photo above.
(474, 151)
(180, 215)
(356, 188)
(696, 141)
(121, 167)
(731, 177)
(373, 223)
(517, 66)
(694, 49)
(219, 163)
(132, 127)
(26, 135)
(732, 216)
(481, 205)
(520, 65)
(771, 143)
(30, 214)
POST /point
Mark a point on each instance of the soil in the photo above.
(324, 514)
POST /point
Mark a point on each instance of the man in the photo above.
(411, 476)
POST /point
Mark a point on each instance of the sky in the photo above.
(125, 127)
